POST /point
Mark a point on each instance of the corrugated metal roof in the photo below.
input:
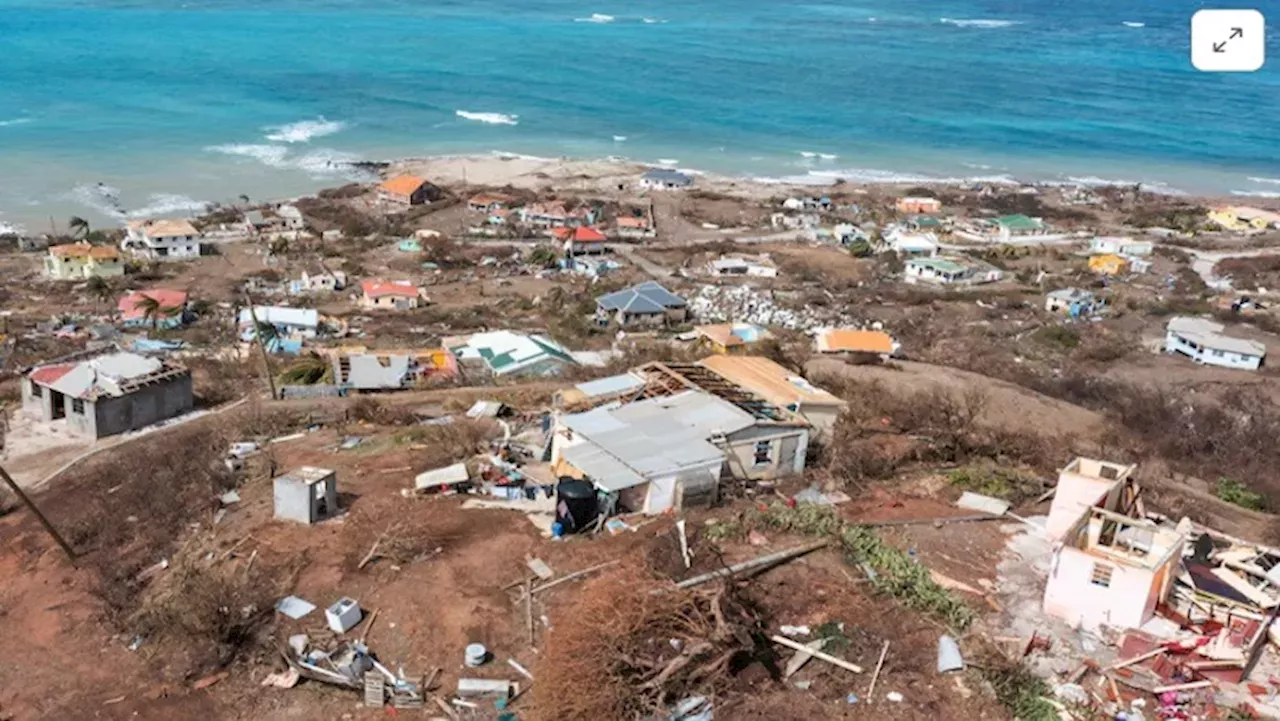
(629, 444)
(1209, 334)
(604, 470)
(613, 385)
(648, 297)
(97, 376)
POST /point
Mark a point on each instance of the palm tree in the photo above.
(244, 199)
(152, 311)
(268, 333)
(307, 370)
(78, 226)
(100, 288)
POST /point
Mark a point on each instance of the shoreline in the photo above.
(569, 173)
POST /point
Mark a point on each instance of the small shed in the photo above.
(306, 495)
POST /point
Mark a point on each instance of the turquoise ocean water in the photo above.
(172, 102)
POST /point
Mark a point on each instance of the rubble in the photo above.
(744, 304)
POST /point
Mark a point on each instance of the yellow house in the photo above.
(1108, 264)
(730, 337)
(77, 261)
(1241, 218)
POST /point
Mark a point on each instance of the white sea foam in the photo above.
(490, 118)
(303, 131)
(977, 166)
(270, 155)
(101, 198)
(319, 163)
(808, 154)
(168, 204)
(619, 138)
(14, 121)
(828, 156)
(1134, 25)
(668, 161)
(596, 18)
(1094, 181)
(1256, 193)
(875, 175)
(1265, 181)
(654, 21)
(506, 155)
(979, 23)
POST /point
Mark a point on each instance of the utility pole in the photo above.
(13, 486)
(266, 361)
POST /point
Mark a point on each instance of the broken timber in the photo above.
(756, 563)
(816, 654)
(571, 576)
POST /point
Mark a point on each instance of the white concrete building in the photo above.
(1121, 246)
(1202, 341)
(734, 265)
(162, 239)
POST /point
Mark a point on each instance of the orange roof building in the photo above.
(77, 261)
(404, 190)
(397, 295)
(844, 340)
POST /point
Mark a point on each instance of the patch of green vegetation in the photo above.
(723, 530)
(892, 570)
(1236, 493)
(1022, 692)
(994, 481)
(833, 632)
(1058, 335)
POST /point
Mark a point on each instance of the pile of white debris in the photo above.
(743, 304)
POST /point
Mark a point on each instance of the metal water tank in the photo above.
(576, 506)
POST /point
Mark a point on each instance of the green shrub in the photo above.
(1235, 492)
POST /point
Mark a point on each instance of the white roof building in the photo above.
(504, 352)
(1203, 341)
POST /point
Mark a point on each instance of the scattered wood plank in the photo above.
(521, 669)
(445, 708)
(800, 658)
(372, 617)
(871, 692)
(430, 679)
(528, 609)
(571, 576)
(1136, 659)
(540, 569)
(940, 521)
(782, 640)
(756, 563)
(1183, 686)
(371, 554)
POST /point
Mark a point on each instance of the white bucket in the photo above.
(476, 655)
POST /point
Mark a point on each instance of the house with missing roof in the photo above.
(730, 337)
(170, 308)
(734, 265)
(1111, 566)
(391, 295)
(361, 369)
(647, 304)
(1203, 341)
(507, 353)
(162, 239)
(665, 179)
(679, 431)
(77, 261)
(779, 386)
(106, 392)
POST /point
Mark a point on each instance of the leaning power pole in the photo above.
(262, 348)
(13, 486)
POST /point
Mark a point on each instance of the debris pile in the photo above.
(743, 304)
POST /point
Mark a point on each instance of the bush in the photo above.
(1058, 335)
(1235, 492)
(994, 481)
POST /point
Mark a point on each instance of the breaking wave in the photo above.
(596, 18)
(319, 163)
(978, 23)
(303, 131)
(1266, 181)
(105, 200)
(490, 118)
(14, 121)
(1134, 25)
(1256, 193)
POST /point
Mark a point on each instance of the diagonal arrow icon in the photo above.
(1220, 47)
(1236, 33)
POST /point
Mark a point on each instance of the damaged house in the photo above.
(375, 370)
(106, 392)
(646, 304)
(669, 433)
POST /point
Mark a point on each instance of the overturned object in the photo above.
(306, 495)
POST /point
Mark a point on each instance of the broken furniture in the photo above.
(306, 495)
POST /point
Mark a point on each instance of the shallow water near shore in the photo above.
(172, 103)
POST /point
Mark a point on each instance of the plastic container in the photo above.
(475, 655)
